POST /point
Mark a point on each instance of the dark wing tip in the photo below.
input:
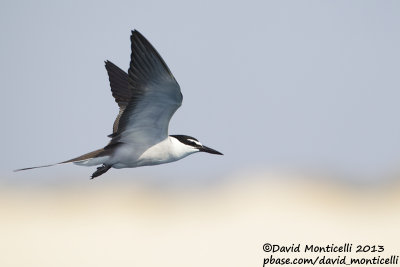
(137, 35)
(119, 82)
(108, 64)
(135, 32)
(148, 57)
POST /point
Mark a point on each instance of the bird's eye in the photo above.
(193, 144)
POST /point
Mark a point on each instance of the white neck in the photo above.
(166, 151)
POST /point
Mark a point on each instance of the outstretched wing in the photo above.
(154, 96)
(121, 89)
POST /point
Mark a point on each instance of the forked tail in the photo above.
(94, 154)
(36, 167)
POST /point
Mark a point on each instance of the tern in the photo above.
(147, 96)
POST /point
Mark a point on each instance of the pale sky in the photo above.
(271, 84)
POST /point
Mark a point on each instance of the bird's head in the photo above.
(193, 145)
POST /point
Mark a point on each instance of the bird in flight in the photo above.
(147, 96)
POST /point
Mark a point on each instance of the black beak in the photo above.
(209, 150)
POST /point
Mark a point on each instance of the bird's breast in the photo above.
(157, 154)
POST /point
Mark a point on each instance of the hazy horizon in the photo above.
(271, 84)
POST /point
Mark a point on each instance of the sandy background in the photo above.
(133, 224)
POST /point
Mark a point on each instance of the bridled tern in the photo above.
(147, 96)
